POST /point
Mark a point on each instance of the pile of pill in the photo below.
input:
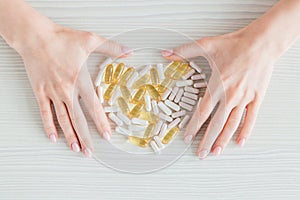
(151, 104)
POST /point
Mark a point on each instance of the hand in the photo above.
(54, 61)
(241, 69)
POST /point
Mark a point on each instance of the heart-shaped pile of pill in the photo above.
(150, 104)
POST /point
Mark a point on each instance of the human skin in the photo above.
(54, 58)
(242, 63)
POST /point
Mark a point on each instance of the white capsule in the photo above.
(148, 102)
(188, 100)
(184, 121)
(111, 109)
(178, 114)
(189, 74)
(173, 93)
(100, 93)
(191, 90)
(190, 95)
(200, 85)
(164, 108)
(158, 142)
(154, 147)
(136, 128)
(123, 131)
(165, 117)
(155, 107)
(115, 96)
(116, 119)
(160, 69)
(178, 95)
(172, 105)
(132, 79)
(101, 71)
(174, 123)
(158, 127)
(124, 118)
(196, 67)
(166, 94)
(186, 106)
(145, 70)
(163, 131)
(139, 121)
(198, 77)
(184, 83)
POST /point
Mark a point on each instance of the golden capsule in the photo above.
(141, 81)
(149, 130)
(118, 72)
(149, 116)
(138, 96)
(180, 71)
(141, 142)
(170, 135)
(123, 105)
(126, 76)
(125, 93)
(109, 91)
(172, 68)
(167, 83)
(154, 76)
(153, 92)
(108, 74)
(136, 110)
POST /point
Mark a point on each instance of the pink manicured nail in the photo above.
(52, 138)
(127, 51)
(217, 151)
(106, 135)
(75, 147)
(203, 154)
(188, 139)
(87, 152)
(241, 142)
(167, 53)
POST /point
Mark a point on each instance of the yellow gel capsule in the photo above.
(149, 116)
(118, 72)
(125, 93)
(149, 130)
(172, 68)
(108, 74)
(141, 81)
(154, 76)
(123, 105)
(153, 92)
(141, 142)
(138, 96)
(136, 110)
(167, 82)
(170, 135)
(180, 71)
(109, 91)
(126, 76)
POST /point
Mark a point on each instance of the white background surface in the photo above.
(266, 168)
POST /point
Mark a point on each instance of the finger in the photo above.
(229, 129)
(65, 124)
(47, 118)
(250, 118)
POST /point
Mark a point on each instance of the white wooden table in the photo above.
(266, 168)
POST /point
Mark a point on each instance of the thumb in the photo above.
(189, 50)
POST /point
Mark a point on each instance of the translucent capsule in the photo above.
(165, 84)
(108, 74)
(149, 116)
(141, 142)
(149, 130)
(154, 76)
(136, 110)
(170, 135)
(118, 72)
(123, 105)
(138, 96)
(171, 69)
(141, 81)
(126, 76)
(125, 93)
(153, 92)
(180, 71)
(109, 91)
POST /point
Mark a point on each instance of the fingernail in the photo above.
(106, 135)
(167, 53)
(188, 139)
(241, 142)
(217, 151)
(52, 138)
(87, 152)
(75, 147)
(127, 51)
(203, 154)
